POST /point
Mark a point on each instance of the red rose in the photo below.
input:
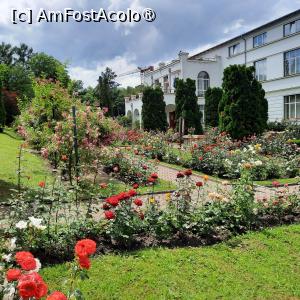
(145, 167)
(57, 296)
(13, 274)
(22, 255)
(32, 285)
(151, 180)
(188, 172)
(136, 152)
(154, 175)
(84, 262)
(199, 183)
(135, 186)
(109, 215)
(138, 202)
(123, 196)
(28, 264)
(113, 201)
(200, 158)
(276, 184)
(27, 288)
(132, 193)
(85, 247)
(180, 175)
(42, 184)
(105, 206)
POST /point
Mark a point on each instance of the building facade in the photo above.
(273, 49)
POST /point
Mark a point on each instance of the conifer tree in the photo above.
(154, 109)
(243, 110)
(213, 97)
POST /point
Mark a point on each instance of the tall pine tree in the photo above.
(154, 109)
(243, 110)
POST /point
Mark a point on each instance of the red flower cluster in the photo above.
(138, 202)
(30, 284)
(180, 175)
(199, 183)
(184, 173)
(153, 178)
(114, 201)
(57, 296)
(276, 184)
(26, 260)
(83, 250)
(188, 172)
(135, 186)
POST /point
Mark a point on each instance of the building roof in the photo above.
(279, 20)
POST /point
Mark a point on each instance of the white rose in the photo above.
(21, 225)
(35, 222)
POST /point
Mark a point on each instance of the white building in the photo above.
(274, 50)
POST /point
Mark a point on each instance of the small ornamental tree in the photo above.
(187, 106)
(243, 109)
(213, 97)
(154, 109)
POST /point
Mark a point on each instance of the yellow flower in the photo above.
(247, 166)
(205, 177)
(168, 197)
(152, 200)
(257, 147)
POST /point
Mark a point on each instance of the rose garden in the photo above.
(212, 217)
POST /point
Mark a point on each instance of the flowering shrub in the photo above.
(129, 169)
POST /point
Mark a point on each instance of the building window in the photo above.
(234, 49)
(292, 62)
(157, 83)
(292, 27)
(292, 107)
(166, 84)
(261, 69)
(203, 83)
(260, 39)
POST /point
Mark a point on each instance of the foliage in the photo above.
(213, 97)
(153, 110)
(243, 109)
(187, 106)
(48, 67)
(10, 55)
(2, 110)
(106, 90)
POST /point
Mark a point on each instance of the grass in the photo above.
(264, 265)
(281, 181)
(34, 168)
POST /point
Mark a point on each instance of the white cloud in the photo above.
(119, 64)
(235, 26)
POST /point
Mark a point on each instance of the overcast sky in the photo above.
(189, 25)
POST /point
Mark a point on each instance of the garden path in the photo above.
(212, 185)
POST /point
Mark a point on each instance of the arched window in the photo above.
(203, 83)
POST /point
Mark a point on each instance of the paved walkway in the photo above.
(212, 185)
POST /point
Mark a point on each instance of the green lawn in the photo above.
(33, 166)
(263, 265)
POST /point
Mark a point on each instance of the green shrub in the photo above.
(213, 97)
(243, 109)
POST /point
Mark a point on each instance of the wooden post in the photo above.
(75, 144)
